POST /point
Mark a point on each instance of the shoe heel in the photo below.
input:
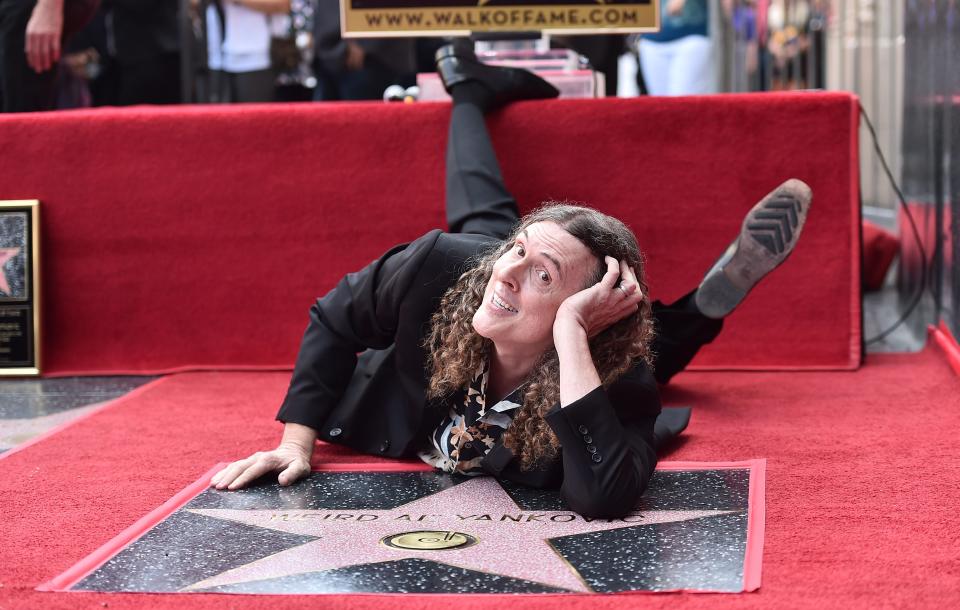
(718, 296)
(450, 73)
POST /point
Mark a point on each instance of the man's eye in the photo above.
(544, 276)
(520, 250)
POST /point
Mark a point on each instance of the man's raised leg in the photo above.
(477, 200)
(767, 236)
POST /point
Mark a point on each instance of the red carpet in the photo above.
(199, 236)
(862, 473)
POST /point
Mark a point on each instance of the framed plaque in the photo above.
(19, 287)
(381, 18)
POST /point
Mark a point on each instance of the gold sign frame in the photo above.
(400, 18)
(20, 293)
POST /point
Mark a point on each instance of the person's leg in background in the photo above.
(602, 50)
(255, 86)
(219, 87)
(151, 80)
(368, 83)
(23, 89)
(656, 59)
(327, 89)
(691, 67)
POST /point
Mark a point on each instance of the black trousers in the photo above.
(21, 89)
(244, 87)
(151, 80)
(477, 201)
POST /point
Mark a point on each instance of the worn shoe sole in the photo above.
(767, 237)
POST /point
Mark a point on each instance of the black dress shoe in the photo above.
(457, 63)
(767, 237)
(668, 426)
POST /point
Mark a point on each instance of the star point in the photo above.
(5, 255)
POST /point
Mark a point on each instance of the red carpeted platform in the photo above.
(196, 237)
(861, 511)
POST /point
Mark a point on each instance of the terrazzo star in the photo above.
(519, 348)
(493, 549)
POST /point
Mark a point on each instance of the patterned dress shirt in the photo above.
(470, 429)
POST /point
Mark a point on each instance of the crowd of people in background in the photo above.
(79, 53)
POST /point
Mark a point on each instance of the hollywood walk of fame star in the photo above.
(509, 541)
(5, 255)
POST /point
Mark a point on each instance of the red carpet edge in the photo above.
(948, 344)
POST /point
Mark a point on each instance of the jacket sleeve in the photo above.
(360, 312)
(607, 445)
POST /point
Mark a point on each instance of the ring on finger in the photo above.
(622, 289)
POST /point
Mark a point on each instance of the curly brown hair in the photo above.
(457, 350)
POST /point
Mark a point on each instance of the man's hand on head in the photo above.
(596, 308)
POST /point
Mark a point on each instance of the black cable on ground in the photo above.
(913, 225)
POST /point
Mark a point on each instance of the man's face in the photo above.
(529, 282)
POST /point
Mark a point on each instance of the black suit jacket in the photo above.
(376, 403)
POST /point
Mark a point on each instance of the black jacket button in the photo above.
(583, 429)
(335, 432)
(591, 449)
(384, 446)
(596, 458)
(587, 439)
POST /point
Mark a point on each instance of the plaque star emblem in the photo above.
(5, 255)
(506, 539)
